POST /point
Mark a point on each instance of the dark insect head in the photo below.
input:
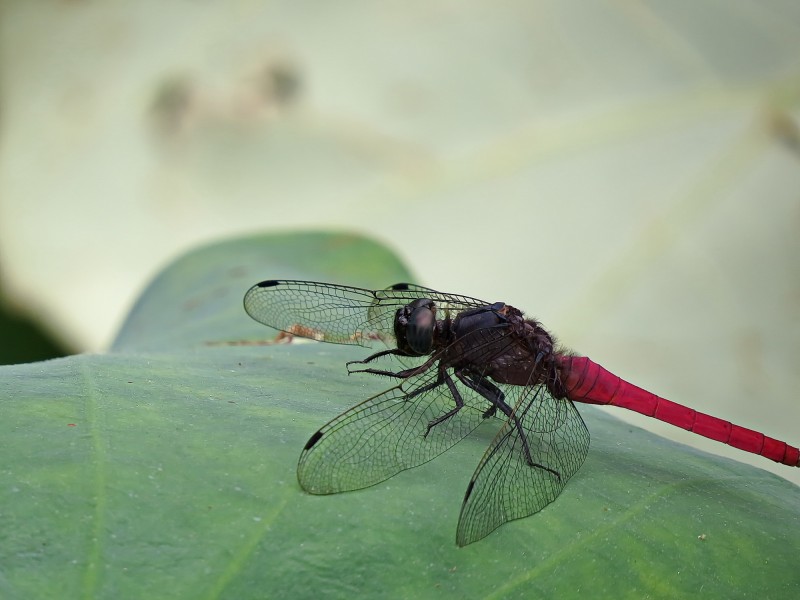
(414, 327)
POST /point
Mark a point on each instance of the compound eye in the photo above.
(419, 330)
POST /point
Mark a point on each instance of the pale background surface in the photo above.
(627, 172)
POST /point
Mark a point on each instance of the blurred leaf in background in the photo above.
(23, 338)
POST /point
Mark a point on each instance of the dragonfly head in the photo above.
(414, 326)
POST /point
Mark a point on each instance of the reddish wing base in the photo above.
(586, 381)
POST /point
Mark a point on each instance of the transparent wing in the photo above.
(341, 314)
(505, 486)
(385, 434)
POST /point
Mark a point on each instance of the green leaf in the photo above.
(167, 469)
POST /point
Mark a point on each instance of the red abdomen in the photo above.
(586, 381)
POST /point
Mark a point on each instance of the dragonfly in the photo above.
(464, 361)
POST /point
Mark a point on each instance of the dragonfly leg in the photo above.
(371, 357)
(495, 395)
(443, 376)
(404, 374)
(488, 390)
(425, 388)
